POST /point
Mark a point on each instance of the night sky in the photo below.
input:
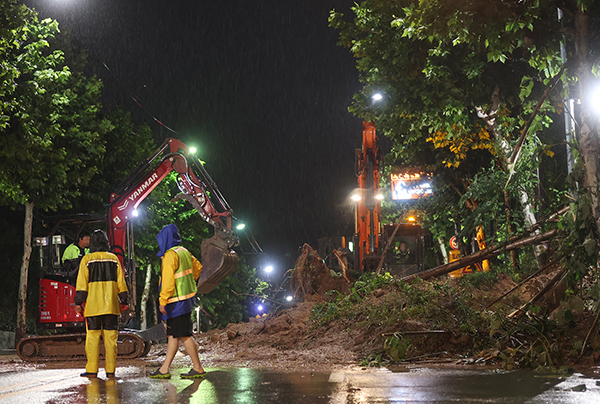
(260, 87)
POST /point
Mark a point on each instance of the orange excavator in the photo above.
(57, 286)
(401, 249)
(367, 226)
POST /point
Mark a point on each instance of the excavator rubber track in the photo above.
(64, 347)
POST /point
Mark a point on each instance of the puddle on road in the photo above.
(252, 386)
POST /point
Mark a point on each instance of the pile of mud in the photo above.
(289, 339)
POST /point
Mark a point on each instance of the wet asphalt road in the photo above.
(251, 386)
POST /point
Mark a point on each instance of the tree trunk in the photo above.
(588, 135)
(144, 302)
(514, 255)
(530, 222)
(22, 303)
(489, 252)
(490, 120)
(590, 152)
(154, 311)
(443, 249)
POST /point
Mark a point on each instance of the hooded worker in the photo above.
(179, 272)
(101, 288)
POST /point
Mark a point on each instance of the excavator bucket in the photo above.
(218, 261)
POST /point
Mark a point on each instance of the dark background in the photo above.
(259, 87)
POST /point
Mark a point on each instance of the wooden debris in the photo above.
(341, 257)
(481, 255)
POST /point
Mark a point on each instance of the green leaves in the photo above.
(52, 135)
(397, 347)
(526, 87)
(462, 80)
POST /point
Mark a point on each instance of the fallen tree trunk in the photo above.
(481, 255)
(550, 285)
(533, 275)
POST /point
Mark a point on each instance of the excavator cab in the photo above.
(410, 249)
(58, 278)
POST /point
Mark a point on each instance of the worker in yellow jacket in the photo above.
(101, 294)
(179, 272)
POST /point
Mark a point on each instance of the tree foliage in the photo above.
(471, 90)
(52, 133)
(126, 147)
(50, 128)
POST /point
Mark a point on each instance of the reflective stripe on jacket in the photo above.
(185, 285)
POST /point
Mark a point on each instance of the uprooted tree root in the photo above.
(310, 276)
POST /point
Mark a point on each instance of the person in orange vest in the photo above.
(179, 272)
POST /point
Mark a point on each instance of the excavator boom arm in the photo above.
(193, 181)
(198, 188)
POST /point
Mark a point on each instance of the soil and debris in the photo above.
(293, 339)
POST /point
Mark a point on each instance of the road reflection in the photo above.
(254, 386)
(102, 391)
(111, 391)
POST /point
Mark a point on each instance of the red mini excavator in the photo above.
(57, 286)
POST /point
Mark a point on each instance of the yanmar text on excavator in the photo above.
(57, 286)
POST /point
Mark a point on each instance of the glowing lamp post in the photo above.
(595, 100)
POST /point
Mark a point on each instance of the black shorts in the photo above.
(180, 326)
(103, 322)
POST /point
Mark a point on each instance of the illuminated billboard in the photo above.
(407, 186)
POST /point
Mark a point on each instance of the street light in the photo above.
(377, 97)
(241, 226)
(269, 269)
(594, 99)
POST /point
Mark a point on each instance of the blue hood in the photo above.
(167, 238)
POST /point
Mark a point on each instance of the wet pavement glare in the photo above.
(252, 386)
